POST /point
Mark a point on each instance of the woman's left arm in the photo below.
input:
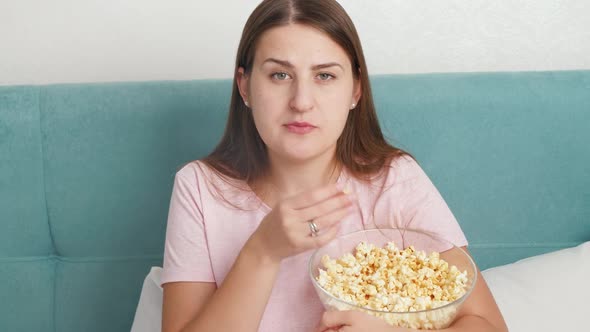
(480, 311)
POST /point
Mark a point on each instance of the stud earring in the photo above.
(353, 106)
(247, 105)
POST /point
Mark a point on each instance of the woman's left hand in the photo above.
(353, 321)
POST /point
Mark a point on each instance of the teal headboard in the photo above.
(86, 172)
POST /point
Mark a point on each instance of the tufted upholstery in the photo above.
(86, 172)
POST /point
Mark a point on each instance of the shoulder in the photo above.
(195, 171)
(401, 179)
(398, 176)
(410, 171)
(214, 187)
(405, 166)
(192, 177)
(402, 171)
(201, 173)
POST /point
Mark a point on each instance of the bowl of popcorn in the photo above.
(409, 278)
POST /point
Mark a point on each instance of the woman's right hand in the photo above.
(286, 231)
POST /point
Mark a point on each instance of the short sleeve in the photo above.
(186, 254)
(423, 207)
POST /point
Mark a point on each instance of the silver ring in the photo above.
(313, 228)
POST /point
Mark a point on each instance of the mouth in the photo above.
(300, 128)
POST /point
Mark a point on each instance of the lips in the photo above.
(300, 128)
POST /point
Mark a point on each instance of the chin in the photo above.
(302, 154)
(299, 157)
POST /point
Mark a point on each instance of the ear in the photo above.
(357, 89)
(242, 81)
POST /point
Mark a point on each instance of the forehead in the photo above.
(299, 44)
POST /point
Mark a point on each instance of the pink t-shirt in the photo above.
(205, 234)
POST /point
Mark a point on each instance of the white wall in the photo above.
(129, 40)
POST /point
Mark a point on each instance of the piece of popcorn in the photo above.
(347, 189)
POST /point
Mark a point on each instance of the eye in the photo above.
(280, 76)
(325, 76)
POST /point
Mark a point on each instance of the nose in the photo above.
(302, 99)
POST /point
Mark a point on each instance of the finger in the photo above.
(328, 220)
(328, 329)
(310, 198)
(321, 328)
(325, 237)
(335, 319)
(332, 204)
(343, 318)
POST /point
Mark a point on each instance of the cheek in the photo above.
(259, 121)
(265, 124)
(338, 97)
(341, 123)
(268, 103)
(264, 93)
(267, 112)
(341, 107)
(337, 106)
(334, 122)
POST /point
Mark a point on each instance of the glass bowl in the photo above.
(436, 318)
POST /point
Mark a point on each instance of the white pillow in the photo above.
(148, 315)
(549, 292)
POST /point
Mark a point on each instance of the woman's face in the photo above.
(299, 91)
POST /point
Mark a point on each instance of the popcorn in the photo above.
(347, 190)
(394, 280)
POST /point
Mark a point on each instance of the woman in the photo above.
(302, 127)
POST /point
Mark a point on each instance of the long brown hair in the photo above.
(361, 149)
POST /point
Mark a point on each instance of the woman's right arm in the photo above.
(237, 305)
(182, 301)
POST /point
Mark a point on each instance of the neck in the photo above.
(288, 178)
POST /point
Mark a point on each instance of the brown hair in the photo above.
(361, 149)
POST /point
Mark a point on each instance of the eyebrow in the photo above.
(315, 67)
